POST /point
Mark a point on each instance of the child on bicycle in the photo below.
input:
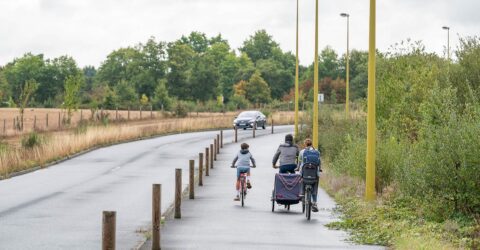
(242, 161)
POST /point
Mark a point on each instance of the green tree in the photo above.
(125, 93)
(259, 46)
(73, 84)
(197, 41)
(161, 99)
(26, 92)
(279, 79)
(256, 90)
(17, 73)
(52, 80)
(180, 64)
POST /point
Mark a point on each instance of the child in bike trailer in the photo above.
(242, 161)
(308, 147)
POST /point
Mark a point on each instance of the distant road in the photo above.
(60, 207)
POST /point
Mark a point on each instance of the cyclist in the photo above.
(287, 153)
(242, 161)
(301, 163)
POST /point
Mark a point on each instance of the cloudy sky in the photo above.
(90, 29)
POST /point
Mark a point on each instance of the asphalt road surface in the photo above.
(214, 221)
(60, 207)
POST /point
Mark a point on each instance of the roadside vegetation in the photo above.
(428, 152)
(39, 149)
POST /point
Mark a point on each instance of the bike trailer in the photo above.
(287, 188)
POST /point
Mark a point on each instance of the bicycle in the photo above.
(243, 185)
(307, 200)
(310, 178)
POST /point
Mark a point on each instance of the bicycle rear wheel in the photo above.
(242, 192)
(308, 204)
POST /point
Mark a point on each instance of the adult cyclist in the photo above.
(287, 153)
(302, 160)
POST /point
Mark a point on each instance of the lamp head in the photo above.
(344, 15)
(446, 28)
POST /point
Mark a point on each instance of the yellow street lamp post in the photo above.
(296, 82)
(347, 87)
(448, 41)
(315, 82)
(371, 127)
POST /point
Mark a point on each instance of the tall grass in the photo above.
(60, 145)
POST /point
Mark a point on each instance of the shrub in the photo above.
(31, 140)
(180, 109)
(239, 102)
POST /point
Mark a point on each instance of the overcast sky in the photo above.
(90, 29)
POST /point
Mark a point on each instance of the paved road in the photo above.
(61, 207)
(214, 221)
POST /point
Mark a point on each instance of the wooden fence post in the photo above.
(156, 215)
(34, 123)
(178, 193)
(214, 149)
(211, 156)
(191, 183)
(218, 144)
(151, 111)
(221, 138)
(4, 126)
(128, 113)
(108, 230)
(46, 121)
(200, 169)
(207, 161)
(272, 125)
(116, 114)
(236, 137)
(140, 112)
(59, 124)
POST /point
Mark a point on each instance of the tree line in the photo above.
(194, 69)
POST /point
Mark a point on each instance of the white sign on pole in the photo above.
(320, 97)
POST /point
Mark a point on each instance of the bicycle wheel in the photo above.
(308, 208)
(242, 192)
(273, 201)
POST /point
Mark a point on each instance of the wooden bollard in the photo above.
(59, 124)
(178, 193)
(128, 114)
(156, 215)
(254, 129)
(4, 126)
(214, 149)
(46, 121)
(221, 138)
(191, 183)
(108, 230)
(140, 112)
(151, 111)
(236, 134)
(218, 143)
(34, 123)
(207, 161)
(272, 125)
(211, 156)
(200, 167)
